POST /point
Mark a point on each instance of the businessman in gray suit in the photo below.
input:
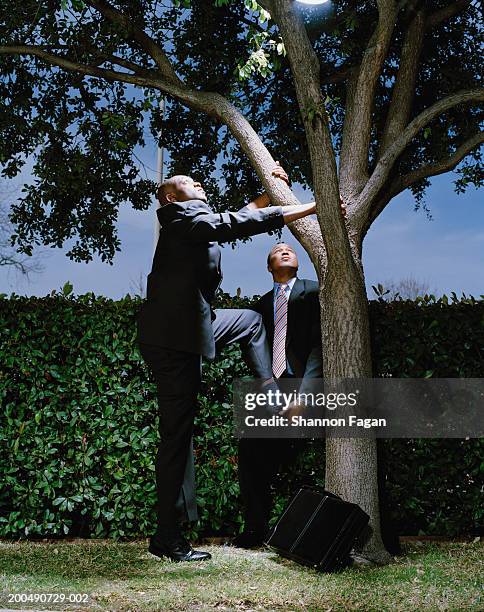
(177, 326)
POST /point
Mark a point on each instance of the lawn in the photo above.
(124, 576)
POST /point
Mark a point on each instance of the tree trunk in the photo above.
(351, 463)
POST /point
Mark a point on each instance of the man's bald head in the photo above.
(169, 185)
(180, 188)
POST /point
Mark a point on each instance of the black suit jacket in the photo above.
(303, 335)
(186, 272)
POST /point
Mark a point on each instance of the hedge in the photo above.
(78, 432)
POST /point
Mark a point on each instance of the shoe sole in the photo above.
(163, 555)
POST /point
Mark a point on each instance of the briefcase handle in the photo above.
(321, 490)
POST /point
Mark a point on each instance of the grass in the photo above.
(124, 576)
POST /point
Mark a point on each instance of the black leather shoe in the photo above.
(247, 539)
(178, 550)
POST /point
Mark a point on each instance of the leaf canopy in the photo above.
(82, 135)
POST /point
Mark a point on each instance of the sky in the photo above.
(445, 254)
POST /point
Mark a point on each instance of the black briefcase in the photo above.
(318, 529)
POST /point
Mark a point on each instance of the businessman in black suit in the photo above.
(261, 459)
(177, 326)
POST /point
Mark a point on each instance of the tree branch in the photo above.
(452, 9)
(213, 104)
(198, 100)
(439, 167)
(341, 74)
(266, 4)
(114, 59)
(147, 43)
(104, 73)
(357, 126)
(305, 69)
(446, 164)
(119, 61)
(305, 230)
(346, 185)
(404, 88)
(385, 164)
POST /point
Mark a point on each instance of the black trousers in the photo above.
(260, 460)
(178, 376)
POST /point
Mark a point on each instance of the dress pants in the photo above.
(260, 460)
(178, 376)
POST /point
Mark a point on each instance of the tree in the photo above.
(8, 256)
(138, 285)
(386, 95)
(408, 288)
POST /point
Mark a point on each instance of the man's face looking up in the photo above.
(181, 189)
(282, 256)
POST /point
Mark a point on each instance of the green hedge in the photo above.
(78, 430)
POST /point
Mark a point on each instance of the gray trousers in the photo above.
(178, 377)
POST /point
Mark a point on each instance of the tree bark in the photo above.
(353, 172)
(351, 463)
(404, 88)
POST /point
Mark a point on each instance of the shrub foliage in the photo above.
(78, 429)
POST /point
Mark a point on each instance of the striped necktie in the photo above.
(280, 328)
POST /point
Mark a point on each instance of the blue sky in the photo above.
(446, 253)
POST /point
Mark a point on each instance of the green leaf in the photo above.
(67, 288)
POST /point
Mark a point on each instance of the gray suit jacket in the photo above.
(186, 272)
